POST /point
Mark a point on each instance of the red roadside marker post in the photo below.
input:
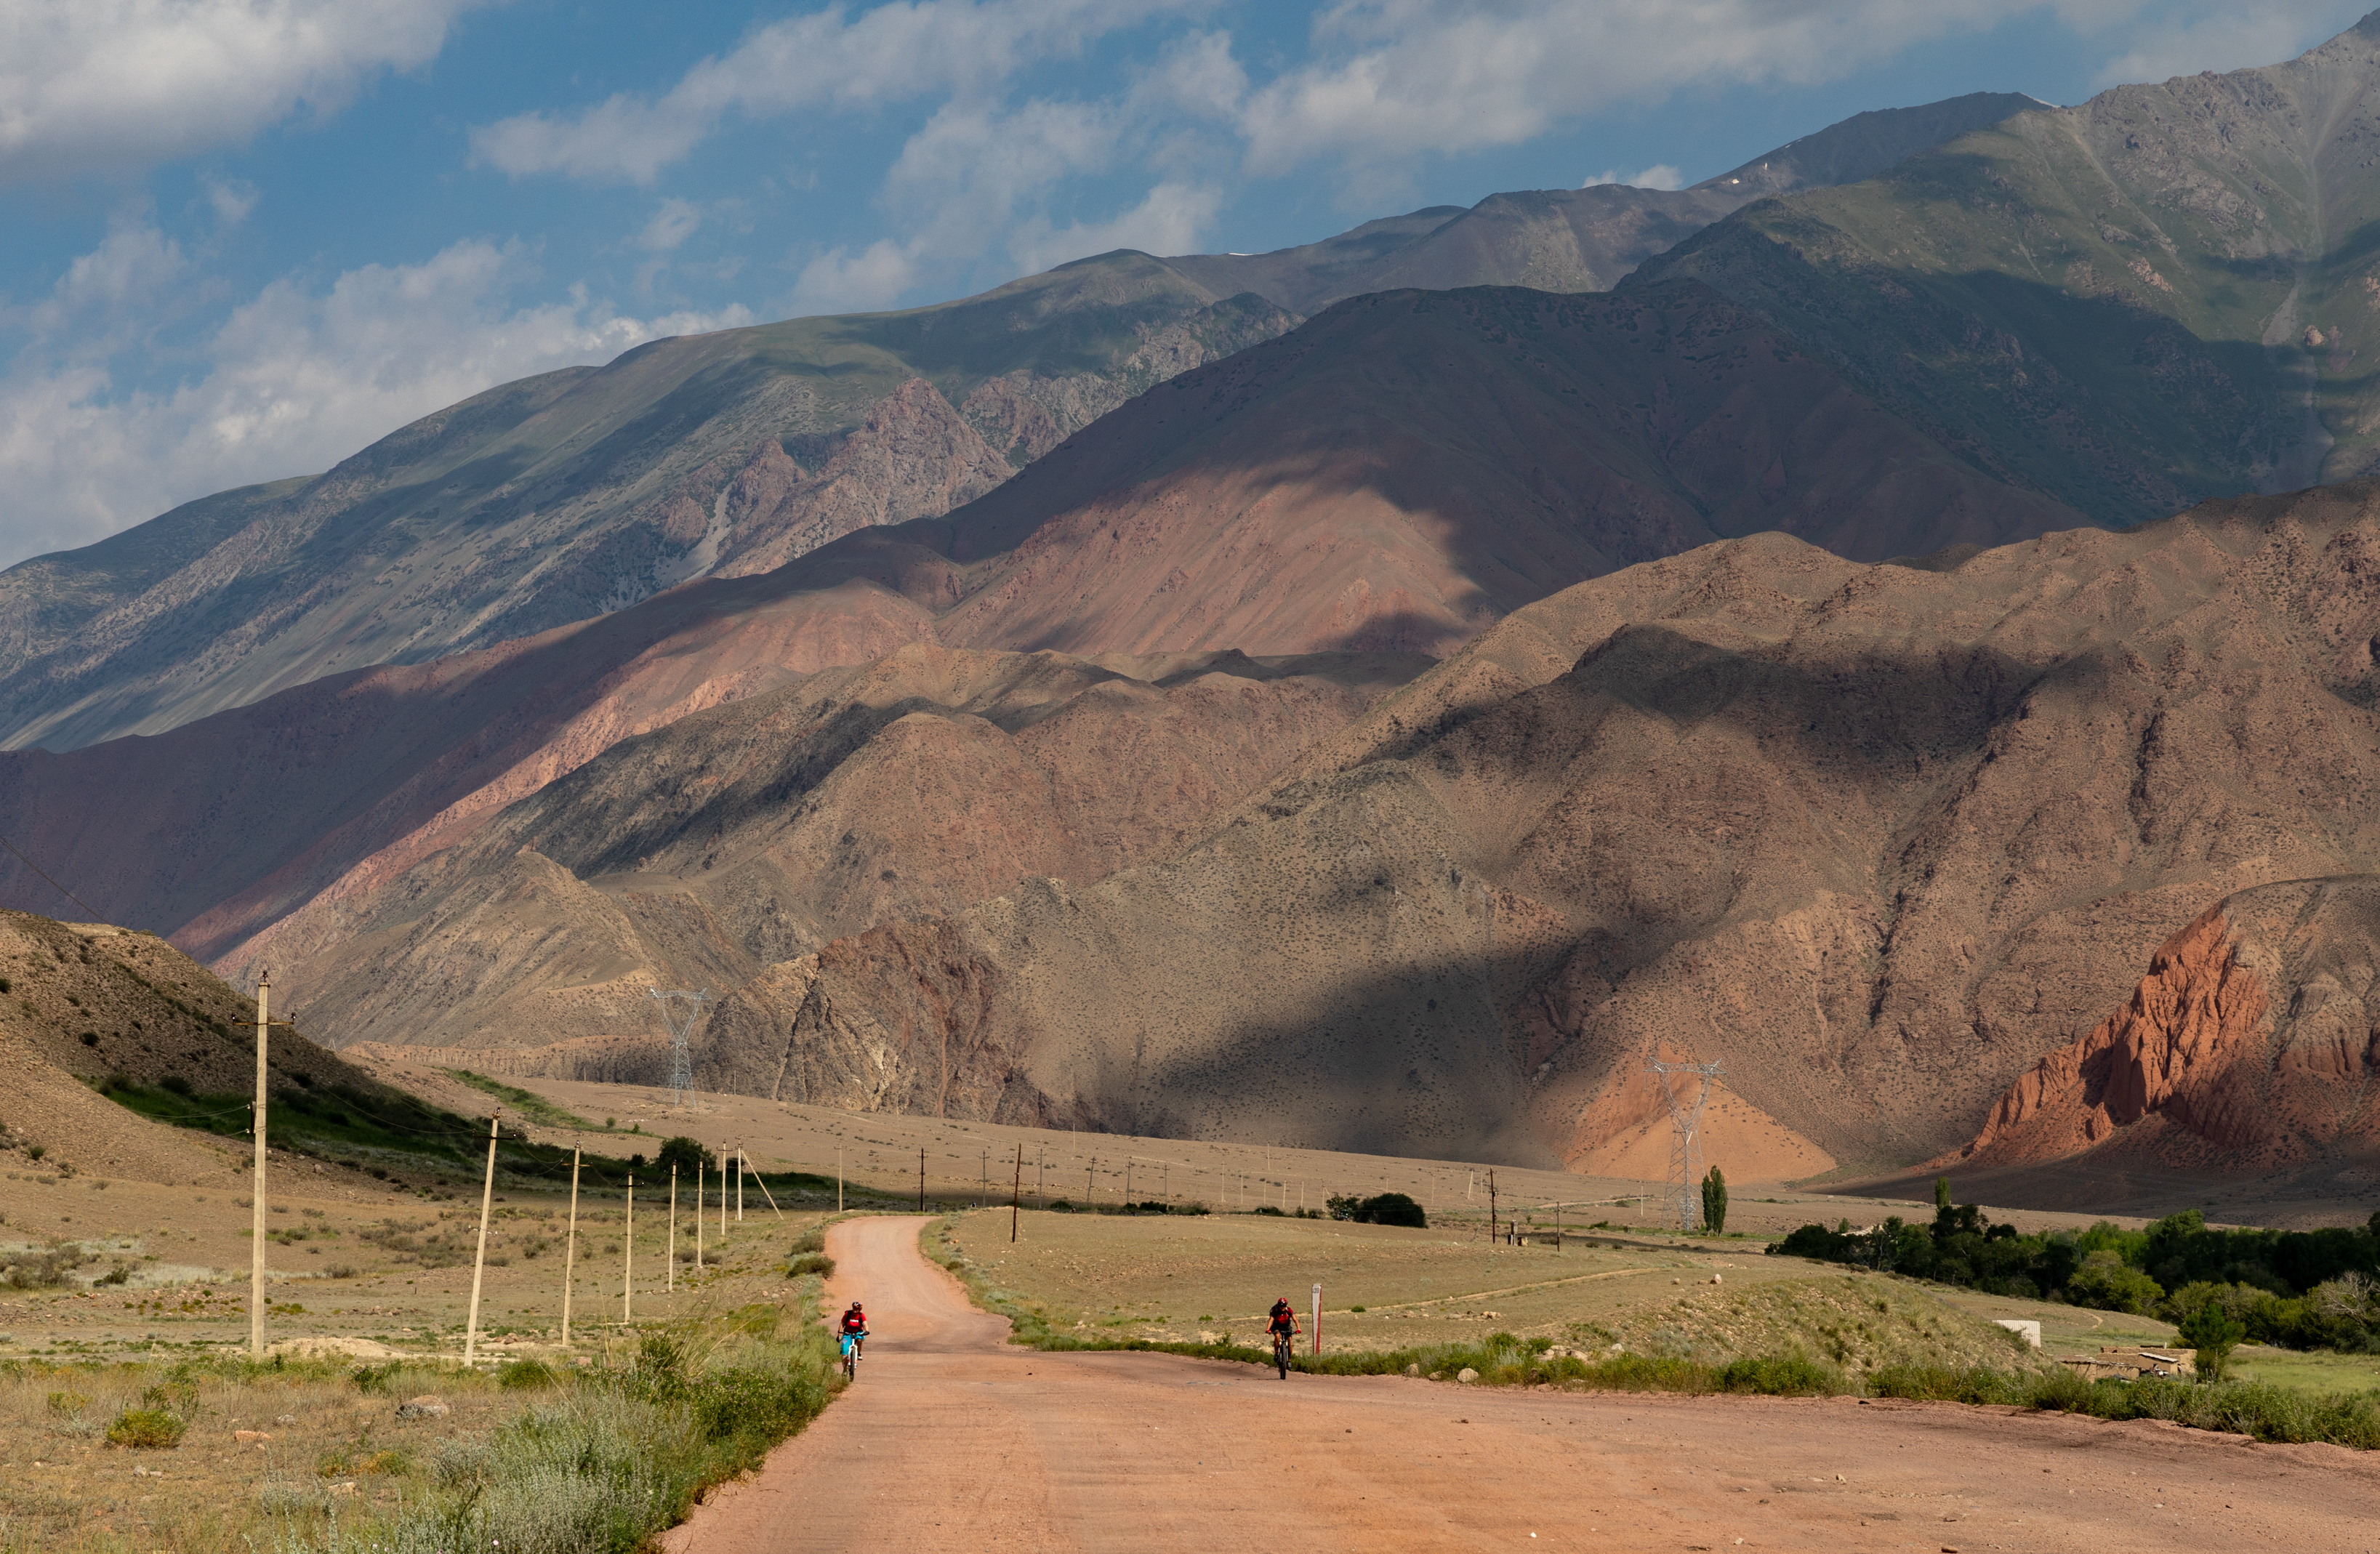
(1317, 1321)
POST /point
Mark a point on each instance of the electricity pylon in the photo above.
(1685, 1131)
(681, 1027)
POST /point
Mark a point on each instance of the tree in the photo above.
(685, 1154)
(1941, 1193)
(1715, 1202)
(2214, 1334)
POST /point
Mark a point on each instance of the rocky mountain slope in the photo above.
(1879, 838)
(1394, 478)
(2152, 297)
(565, 496)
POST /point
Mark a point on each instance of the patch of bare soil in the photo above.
(954, 1439)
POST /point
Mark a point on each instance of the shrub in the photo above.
(810, 1262)
(686, 1154)
(521, 1375)
(147, 1430)
(175, 1085)
(811, 1240)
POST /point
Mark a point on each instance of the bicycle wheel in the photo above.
(851, 1361)
(1281, 1356)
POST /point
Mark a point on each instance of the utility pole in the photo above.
(838, 1182)
(763, 1182)
(1016, 1193)
(723, 1198)
(479, 1258)
(921, 1179)
(1492, 1211)
(739, 1183)
(628, 1255)
(1090, 1194)
(1128, 1181)
(698, 1212)
(984, 1167)
(256, 1197)
(1040, 1189)
(570, 1246)
(671, 1283)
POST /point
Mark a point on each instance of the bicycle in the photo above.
(851, 1346)
(1283, 1341)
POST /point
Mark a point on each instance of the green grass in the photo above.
(528, 1104)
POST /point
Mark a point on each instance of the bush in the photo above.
(1385, 1209)
(811, 1240)
(521, 1375)
(1715, 1201)
(147, 1430)
(810, 1262)
(685, 1154)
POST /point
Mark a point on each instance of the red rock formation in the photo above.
(2252, 1038)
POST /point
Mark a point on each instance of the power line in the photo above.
(53, 884)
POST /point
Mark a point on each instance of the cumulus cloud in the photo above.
(827, 59)
(839, 281)
(1659, 175)
(98, 86)
(296, 378)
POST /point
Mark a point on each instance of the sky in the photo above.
(241, 240)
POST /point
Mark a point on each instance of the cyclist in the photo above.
(854, 1328)
(1283, 1324)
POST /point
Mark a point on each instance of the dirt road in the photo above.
(954, 1440)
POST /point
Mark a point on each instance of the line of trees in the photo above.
(2297, 1289)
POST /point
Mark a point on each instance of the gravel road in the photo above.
(951, 1439)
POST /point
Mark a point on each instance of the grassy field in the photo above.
(1208, 1279)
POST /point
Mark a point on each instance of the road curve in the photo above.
(952, 1439)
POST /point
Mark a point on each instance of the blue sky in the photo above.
(242, 238)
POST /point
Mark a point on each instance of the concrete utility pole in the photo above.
(479, 1258)
(671, 1283)
(921, 1179)
(628, 1257)
(739, 1183)
(838, 1182)
(698, 1214)
(1016, 1193)
(723, 1199)
(570, 1246)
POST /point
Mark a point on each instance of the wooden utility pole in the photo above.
(838, 1182)
(628, 1257)
(670, 1283)
(256, 1199)
(1040, 1183)
(723, 1198)
(1090, 1194)
(921, 1179)
(479, 1258)
(570, 1246)
(739, 1183)
(983, 1169)
(1016, 1193)
(1491, 1210)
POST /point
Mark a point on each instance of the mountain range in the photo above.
(567, 495)
(1838, 641)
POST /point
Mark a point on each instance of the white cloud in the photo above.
(1169, 221)
(1393, 79)
(841, 281)
(671, 225)
(296, 378)
(2226, 37)
(95, 86)
(1659, 175)
(827, 59)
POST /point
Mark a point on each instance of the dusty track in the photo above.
(952, 1440)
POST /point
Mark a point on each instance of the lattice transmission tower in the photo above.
(1685, 1131)
(681, 1027)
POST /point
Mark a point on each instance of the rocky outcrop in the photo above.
(2254, 1039)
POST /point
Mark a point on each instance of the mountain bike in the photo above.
(851, 1342)
(1283, 1341)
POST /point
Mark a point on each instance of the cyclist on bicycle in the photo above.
(1282, 1323)
(855, 1328)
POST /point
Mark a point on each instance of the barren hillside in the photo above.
(1878, 837)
